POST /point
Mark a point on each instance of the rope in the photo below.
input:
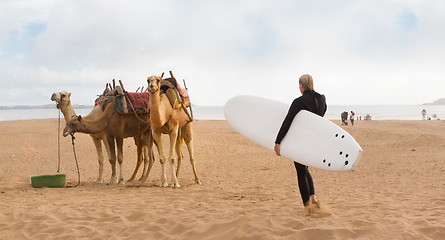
(74, 151)
(109, 120)
(77, 165)
(135, 113)
(58, 145)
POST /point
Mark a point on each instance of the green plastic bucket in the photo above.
(52, 181)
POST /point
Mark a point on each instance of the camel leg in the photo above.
(113, 179)
(100, 158)
(120, 158)
(188, 138)
(158, 139)
(139, 145)
(107, 147)
(151, 157)
(144, 157)
(179, 142)
(172, 156)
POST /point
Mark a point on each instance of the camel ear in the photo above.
(79, 118)
(69, 95)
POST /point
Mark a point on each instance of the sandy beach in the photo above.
(397, 190)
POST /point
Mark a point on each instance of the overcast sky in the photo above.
(359, 52)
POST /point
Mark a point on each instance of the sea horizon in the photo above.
(377, 112)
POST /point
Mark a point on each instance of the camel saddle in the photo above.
(180, 95)
(138, 103)
(102, 100)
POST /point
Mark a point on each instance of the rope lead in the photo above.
(77, 165)
(58, 143)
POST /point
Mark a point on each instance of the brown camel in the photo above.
(165, 119)
(64, 104)
(116, 126)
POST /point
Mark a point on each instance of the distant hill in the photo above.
(48, 106)
(440, 101)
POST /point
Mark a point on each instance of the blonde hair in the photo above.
(307, 82)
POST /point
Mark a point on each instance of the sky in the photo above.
(359, 52)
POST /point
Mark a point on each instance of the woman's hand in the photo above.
(277, 149)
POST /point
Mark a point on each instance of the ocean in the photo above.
(377, 112)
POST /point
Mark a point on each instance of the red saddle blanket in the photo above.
(139, 102)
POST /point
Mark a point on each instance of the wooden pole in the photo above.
(191, 110)
(124, 98)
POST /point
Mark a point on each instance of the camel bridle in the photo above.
(72, 126)
(63, 100)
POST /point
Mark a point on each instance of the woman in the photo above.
(315, 103)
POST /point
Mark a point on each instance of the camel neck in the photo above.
(100, 123)
(154, 102)
(67, 110)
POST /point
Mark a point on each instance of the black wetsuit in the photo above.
(312, 102)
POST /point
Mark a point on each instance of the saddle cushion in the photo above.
(102, 101)
(138, 100)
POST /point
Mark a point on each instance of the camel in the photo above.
(116, 127)
(174, 122)
(64, 104)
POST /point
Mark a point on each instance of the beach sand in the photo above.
(396, 192)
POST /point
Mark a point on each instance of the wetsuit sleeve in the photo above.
(293, 110)
(325, 108)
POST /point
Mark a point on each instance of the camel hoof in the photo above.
(197, 181)
(175, 185)
(112, 182)
(121, 182)
(98, 181)
(164, 184)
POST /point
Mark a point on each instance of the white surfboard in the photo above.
(311, 140)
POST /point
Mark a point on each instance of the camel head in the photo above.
(72, 126)
(154, 83)
(61, 97)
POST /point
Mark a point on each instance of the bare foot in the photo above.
(315, 200)
(307, 210)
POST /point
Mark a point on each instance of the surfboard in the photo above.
(311, 140)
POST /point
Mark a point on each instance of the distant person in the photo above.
(344, 118)
(315, 103)
(423, 114)
(352, 117)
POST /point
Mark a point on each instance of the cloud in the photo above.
(359, 52)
